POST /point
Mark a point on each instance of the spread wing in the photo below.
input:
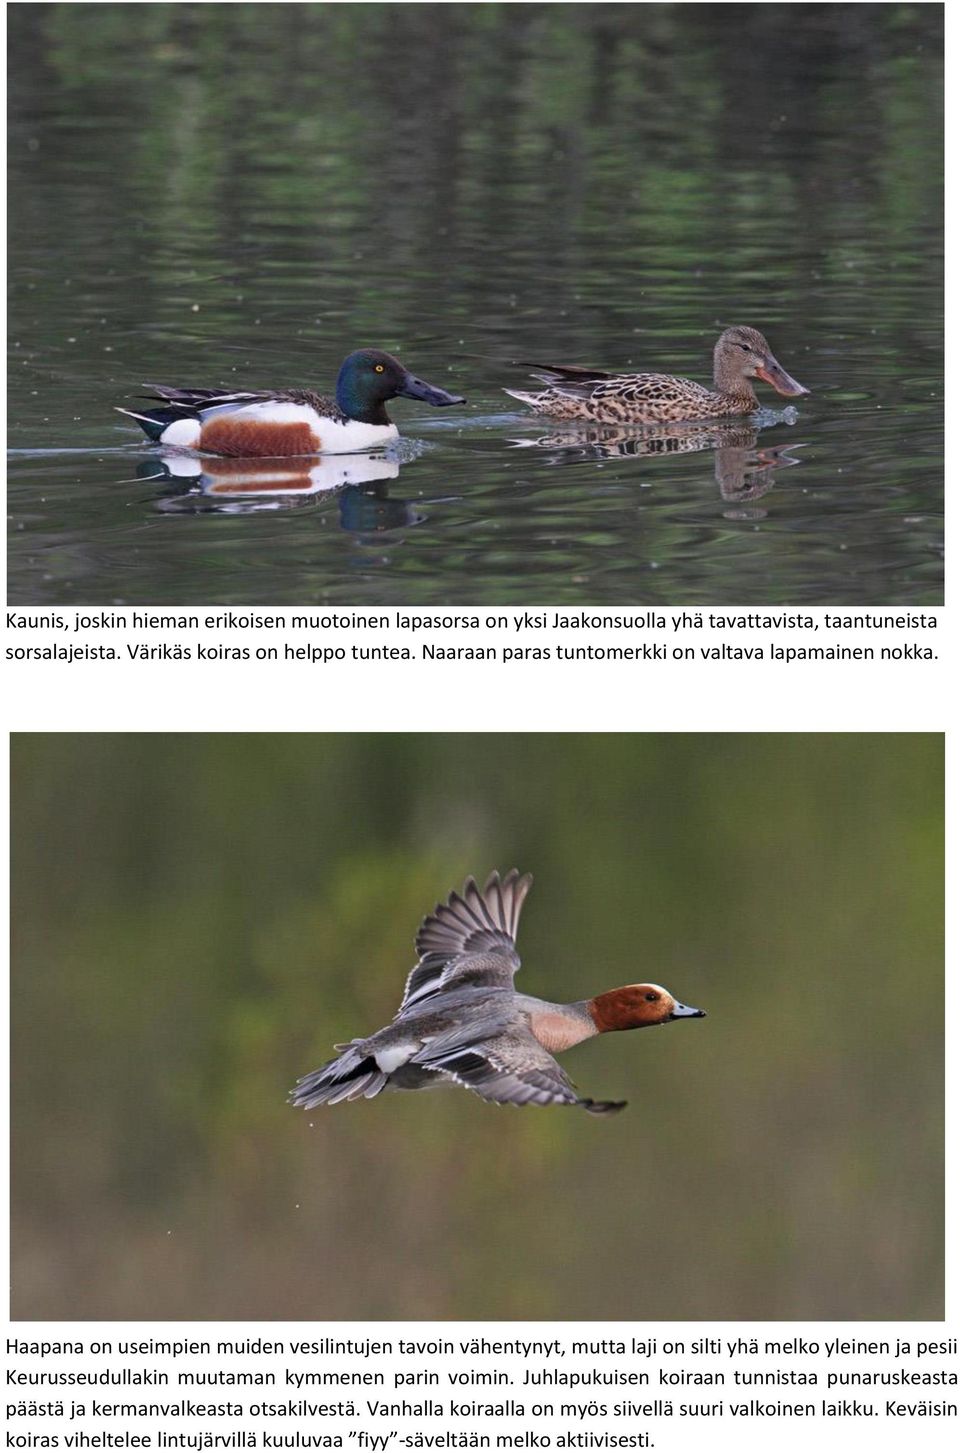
(470, 941)
(511, 1068)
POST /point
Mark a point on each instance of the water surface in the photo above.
(242, 194)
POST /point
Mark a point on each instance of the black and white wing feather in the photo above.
(511, 1068)
(196, 400)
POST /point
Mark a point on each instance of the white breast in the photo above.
(350, 436)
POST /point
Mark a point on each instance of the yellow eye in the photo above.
(378, 368)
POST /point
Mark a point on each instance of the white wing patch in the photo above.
(264, 411)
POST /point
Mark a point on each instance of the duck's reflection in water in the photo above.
(359, 483)
(742, 471)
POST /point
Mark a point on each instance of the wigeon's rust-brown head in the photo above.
(743, 353)
(636, 1006)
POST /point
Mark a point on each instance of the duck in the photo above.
(461, 1021)
(283, 422)
(740, 355)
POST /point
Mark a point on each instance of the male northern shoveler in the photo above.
(290, 421)
(740, 355)
(462, 1022)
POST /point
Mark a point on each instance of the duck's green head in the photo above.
(369, 377)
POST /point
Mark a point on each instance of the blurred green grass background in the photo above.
(197, 918)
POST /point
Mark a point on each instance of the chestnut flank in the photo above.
(246, 439)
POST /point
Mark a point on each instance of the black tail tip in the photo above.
(603, 1107)
(153, 421)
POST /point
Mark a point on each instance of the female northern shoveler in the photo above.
(290, 421)
(658, 398)
(462, 1022)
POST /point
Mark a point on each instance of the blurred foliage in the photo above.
(198, 918)
(388, 171)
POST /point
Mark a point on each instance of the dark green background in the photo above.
(198, 918)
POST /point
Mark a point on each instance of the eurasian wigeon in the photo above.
(461, 1020)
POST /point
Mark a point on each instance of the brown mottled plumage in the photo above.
(741, 354)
